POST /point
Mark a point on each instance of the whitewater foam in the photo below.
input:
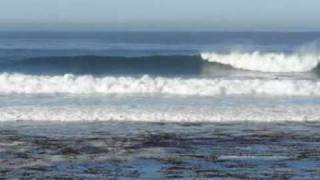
(266, 62)
(177, 114)
(87, 84)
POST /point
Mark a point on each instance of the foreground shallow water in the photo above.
(100, 150)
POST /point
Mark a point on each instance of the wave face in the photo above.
(205, 65)
(160, 65)
(266, 62)
(72, 84)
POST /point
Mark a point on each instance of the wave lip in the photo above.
(87, 84)
(266, 62)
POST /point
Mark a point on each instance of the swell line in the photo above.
(156, 65)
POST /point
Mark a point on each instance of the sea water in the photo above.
(209, 105)
(159, 76)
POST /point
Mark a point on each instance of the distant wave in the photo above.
(266, 62)
(159, 65)
(165, 64)
(73, 84)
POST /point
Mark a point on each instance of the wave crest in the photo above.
(266, 62)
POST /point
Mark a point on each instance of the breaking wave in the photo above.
(266, 62)
(166, 65)
(88, 84)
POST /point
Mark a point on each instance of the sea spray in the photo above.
(266, 62)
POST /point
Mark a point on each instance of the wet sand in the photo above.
(131, 150)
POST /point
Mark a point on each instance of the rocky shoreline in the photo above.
(111, 150)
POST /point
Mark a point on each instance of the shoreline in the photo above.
(101, 150)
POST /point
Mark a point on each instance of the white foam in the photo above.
(266, 62)
(170, 114)
(71, 84)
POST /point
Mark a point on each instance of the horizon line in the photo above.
(159, 30)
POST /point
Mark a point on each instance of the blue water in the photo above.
(156, 75)
(254, 84)
(22, 45)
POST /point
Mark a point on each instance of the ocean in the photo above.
(159, 105)
(159, 76)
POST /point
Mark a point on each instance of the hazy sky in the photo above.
(232, 15)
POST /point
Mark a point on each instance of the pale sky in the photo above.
(231, 15)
